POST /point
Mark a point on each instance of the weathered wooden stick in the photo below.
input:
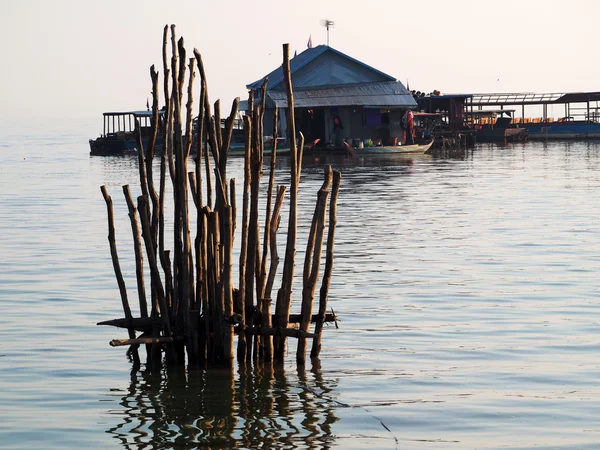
(216, 296)
(141, 159)
(182, 60)
(163, 167)
(313, 262)
(232, 202)
(253, 229)
(241, 352)
(145, 324)
(150, 156)
(190, 102)
(139, 255)
(263, 263)
(214, 145)
(155, 274)
(274, 331)
(117, 267)
(263, 106)
(284, 296)
(300, 154)
(174, 98)
(187, 277)
(200, 138)
(199, 243)
(321, 315)
(193, 187)
(206, 124)
(205, 280)
(218, 131)
(200, 65)
(226, 138)
(209, 200)
(227, 281)
(138, 341)
(266, 321)
(274, 226)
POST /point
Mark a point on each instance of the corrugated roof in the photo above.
(304, 58)
(530, 98)
(391, 94)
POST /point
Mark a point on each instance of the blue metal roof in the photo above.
(390, 94)
(311, 54)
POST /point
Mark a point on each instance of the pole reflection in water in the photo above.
(260, 407)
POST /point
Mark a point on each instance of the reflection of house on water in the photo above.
(259, 408)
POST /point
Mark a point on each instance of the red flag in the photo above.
(309, 44)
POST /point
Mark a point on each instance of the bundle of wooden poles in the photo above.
(195, 309)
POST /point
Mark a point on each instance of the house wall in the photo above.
(355, 126)
(353, 120)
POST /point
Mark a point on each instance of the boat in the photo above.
(579, 113)
(118, 135)
(420, 147)
(496, 126)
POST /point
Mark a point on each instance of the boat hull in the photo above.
(395, 149)
(563, 130)
(113, 146)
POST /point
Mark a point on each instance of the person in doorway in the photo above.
(337, 130)
(408, 123)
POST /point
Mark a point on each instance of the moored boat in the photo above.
(118, 135)
(421, 147)
(496, 126)
(579, 113)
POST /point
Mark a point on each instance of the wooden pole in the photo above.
(150, 157)
(226, 138)
(165, 264)
(241, 353)
(139, 255)
(253, 229)
(154, 272)
(312, 262)
(227, 287)
(274, 226)
(284, 296)
(218, 132)
(316, 345)
(263, 263)
(117, 268)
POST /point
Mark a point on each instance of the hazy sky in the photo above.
(79, 58)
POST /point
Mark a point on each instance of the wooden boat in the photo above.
(118, 135)
(421, 147)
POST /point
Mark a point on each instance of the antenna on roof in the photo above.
(328, 24)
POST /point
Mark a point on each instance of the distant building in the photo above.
(329, 87)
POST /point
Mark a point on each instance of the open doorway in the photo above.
(311, 122)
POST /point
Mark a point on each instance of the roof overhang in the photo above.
(390, 94)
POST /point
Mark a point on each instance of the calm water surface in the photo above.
(467, 287)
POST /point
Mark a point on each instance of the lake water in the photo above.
(467, 286)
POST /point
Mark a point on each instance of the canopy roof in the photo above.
(530, 98)
(488, 112)
(142, 113)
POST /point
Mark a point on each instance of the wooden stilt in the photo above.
(117, 268)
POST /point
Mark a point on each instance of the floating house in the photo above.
(333, 89)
